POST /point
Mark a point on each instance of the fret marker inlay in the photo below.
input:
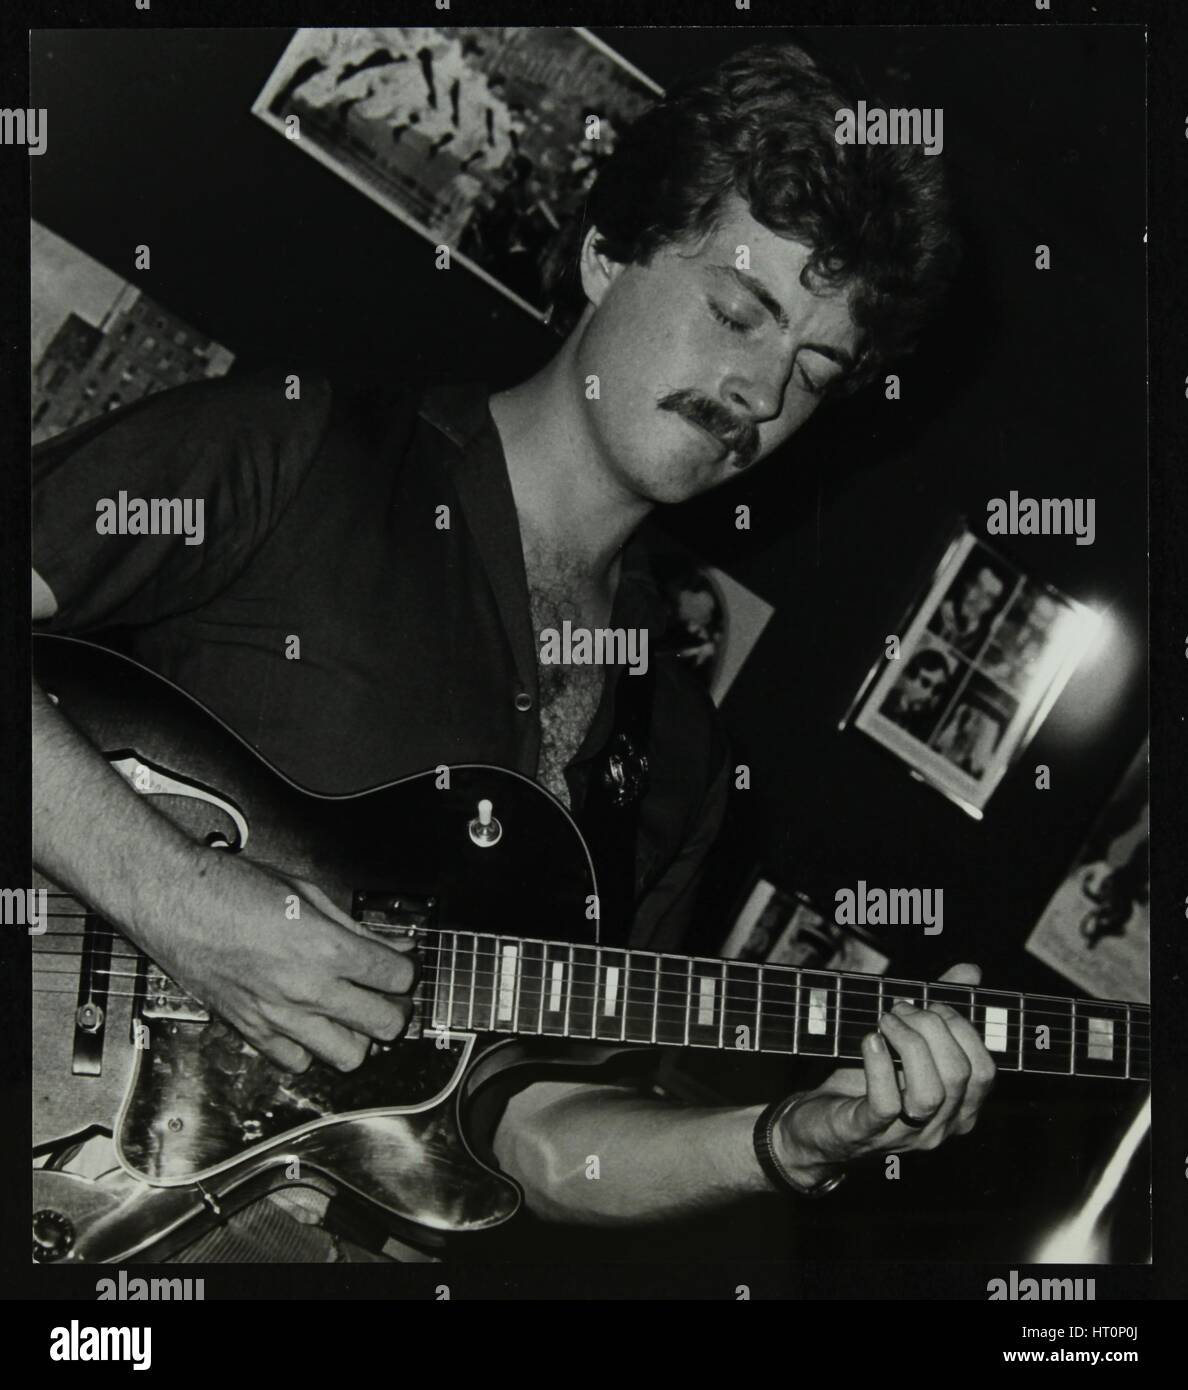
(505, 1009)
(994, 1030)
(705, 1001)
(556, 985)
(1101, 1039)
(612, 990)
(818, 1011)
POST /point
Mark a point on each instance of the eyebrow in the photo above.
(776, 310)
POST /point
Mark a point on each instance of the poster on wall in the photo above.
(713, 621)
(483, 140)
(975, 669)
(1096, 931)
(96, 342)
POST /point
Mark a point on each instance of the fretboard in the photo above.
(485, 983)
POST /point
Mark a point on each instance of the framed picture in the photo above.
(713, 621)
(1096, 930)
(777, 927)
(97, 342)
(977, 665)
(483, 139)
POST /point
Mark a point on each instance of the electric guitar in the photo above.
(491, 877)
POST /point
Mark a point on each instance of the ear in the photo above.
(597, 270)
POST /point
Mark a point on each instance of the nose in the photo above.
(752, 398)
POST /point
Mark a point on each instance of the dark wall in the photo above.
(1033, 380)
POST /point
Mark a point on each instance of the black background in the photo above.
(1034, 381)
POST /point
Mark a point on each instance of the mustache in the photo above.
(740, 436)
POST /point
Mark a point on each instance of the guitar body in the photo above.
(203, 1122)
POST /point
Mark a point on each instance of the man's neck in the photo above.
(568, 501)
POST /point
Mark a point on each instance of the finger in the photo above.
(882, 1102)
(923, 1090)
(952, 1065)
(341, 1047)
(964, 974)
(376, 965)
(289, 1056)
(364, 1011)
(982, 1066)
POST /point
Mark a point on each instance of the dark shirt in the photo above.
(375, 527)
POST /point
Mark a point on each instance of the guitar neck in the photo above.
(475, 981)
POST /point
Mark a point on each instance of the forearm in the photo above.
(95, 835)
(599, 1155)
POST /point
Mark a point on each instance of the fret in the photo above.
(639, 1012)
(1020, 1053)
(554, 993)
(1129, 1023)
(462, 1014)
(817, 1014)
(626, 987)
(583, 992)
(1098, 1046)
(441, 1018)
(568, 989)
(858, 1010)
(671, 1014)
(609, 1014)
(1072, 1051)
(958, 997)
(739, 1018)
(997, 1023)
(505, 983)
(688, 991)
(705, 998)
(485, 966)
(796, 1013)
(780, 1018)
(758, 1009)
(530, 990)
(1047, 1034)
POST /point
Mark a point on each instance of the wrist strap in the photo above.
(777, 1174)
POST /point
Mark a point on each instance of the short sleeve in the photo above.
(153, 509)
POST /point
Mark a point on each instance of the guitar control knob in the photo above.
(53, 1236)
(485, 830)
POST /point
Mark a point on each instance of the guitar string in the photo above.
(769, 1016)
(864, 1023)
(681, 962)
(106, 932)
(1138, 1069)
(678, 998)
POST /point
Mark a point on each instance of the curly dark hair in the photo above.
(762, 125)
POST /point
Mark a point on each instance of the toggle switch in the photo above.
(485, 830)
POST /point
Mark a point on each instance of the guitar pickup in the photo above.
(163, 999)
(384, 908)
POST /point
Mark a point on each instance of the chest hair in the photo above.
(559, 589)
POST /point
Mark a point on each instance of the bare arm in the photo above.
(604, 1156)
(215, 921)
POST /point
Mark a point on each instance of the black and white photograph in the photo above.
(983, 659)
(589, 583)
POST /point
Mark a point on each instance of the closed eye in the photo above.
(735, 325)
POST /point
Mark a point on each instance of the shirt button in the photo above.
(523, 702)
